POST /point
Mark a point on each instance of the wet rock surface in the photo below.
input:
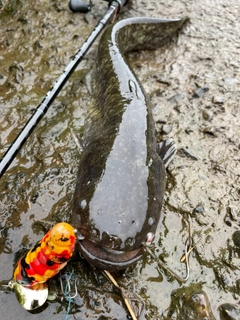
(190, 303)
(229, 311)
(36, 43)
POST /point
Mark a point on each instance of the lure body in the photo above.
(47, 257)
(121, 178)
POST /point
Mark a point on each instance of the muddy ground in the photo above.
(193, 84)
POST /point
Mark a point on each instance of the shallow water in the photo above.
(37, 41)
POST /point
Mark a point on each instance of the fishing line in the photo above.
(67, 294)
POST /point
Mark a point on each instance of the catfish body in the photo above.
(121, 178)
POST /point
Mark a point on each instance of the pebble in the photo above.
(188, 130)
(200, 304)
(236, 238)
(207, 115)
(209, 130)
(191, 304)
(199, 92)
(228, 219)
(218, 100)
(230, 81)
(159, 78)
(37, 45)
(229, 311)
(199, 209)
(177, 98)
(185, 153)
(166, 129)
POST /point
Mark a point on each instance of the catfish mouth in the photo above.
(111, 260)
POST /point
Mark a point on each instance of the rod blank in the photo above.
(11, 153)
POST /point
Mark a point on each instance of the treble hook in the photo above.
(67, 291)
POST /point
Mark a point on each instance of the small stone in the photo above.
(229, 311)
(60, 181)
(55, 171)
(188, 130)
(34, 197)
(218, 100)
(177, 98)
(199, 92)
(166, 129)
(37, 45)
(209, 130)
(229, 218)
(199, 209)
(207, 115)
(159, 78)
(230, 81)
(23, 19)
(236, 238)
(182, 152)
(228, 221)
(190, 303)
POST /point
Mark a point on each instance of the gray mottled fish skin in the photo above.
(121, 178)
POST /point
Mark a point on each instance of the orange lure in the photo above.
(47, 257)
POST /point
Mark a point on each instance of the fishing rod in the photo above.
(76, 6)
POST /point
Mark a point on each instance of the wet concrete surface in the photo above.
(193, 84)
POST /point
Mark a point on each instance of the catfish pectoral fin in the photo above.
(167, 150)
